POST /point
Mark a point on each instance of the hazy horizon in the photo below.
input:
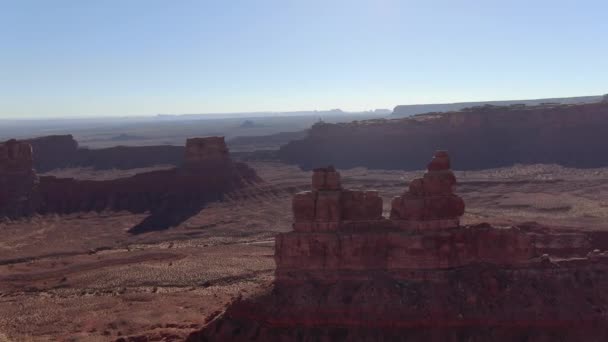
(73, 59)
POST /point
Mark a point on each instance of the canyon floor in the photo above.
(83, 277)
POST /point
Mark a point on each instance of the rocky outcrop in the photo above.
(200, 151)
(169, 195)
(327, 206)
(485, 137)
(18, 180)
(53, 152)
(375, 279)
(430, 198)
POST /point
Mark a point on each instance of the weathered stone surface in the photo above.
(441, 161)
(361, 205)
(326, 178)
(554, 301)
(303, 206)
(203, 150)
(328, 206)
(167, 193)
(420, 277)
(329, 203)
(430, 197)
(476, 283)
(18, 180)
(569, 135)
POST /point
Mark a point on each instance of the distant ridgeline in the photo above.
(408, 110)
(480, 137)
(61, 151)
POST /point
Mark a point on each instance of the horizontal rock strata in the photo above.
(419, 275)
(487, 137)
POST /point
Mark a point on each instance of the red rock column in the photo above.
(18, 180)
(430, 201)
(319, 209)
(328, 205)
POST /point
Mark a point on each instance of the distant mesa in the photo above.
(18, 180)
(408, 110)
(201, 150)
(479, 138)
(248, 124)
(171, 196)
(346, 273)
(62, 151)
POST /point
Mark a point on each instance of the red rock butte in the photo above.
(346, 273)
(18, 179)
(207, 174)
(201, 150)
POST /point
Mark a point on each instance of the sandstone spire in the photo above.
(431, 198)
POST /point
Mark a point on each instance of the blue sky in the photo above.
(143, 57)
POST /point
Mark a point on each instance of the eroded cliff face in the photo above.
(18, 180)
(420, 277)
(570, 135)
(169, 195)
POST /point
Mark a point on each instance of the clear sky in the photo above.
(143, 57)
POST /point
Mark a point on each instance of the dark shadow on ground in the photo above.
(162, 219)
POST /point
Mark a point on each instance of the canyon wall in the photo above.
(419, 275)
(486, 137)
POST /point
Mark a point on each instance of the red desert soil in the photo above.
(82, 277)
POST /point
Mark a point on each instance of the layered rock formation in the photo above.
(374, 279)
(18, 180)
(200, 151)
(169, 195)
(430, 198)
(328, 206)
(486, 137)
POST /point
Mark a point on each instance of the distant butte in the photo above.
(170, 196)
(345, 273)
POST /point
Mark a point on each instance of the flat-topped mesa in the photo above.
(17, 179)
(204, 151)
(328, 206)
(430, 201)
(208, 174)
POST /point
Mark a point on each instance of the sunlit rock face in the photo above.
(419, 275)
